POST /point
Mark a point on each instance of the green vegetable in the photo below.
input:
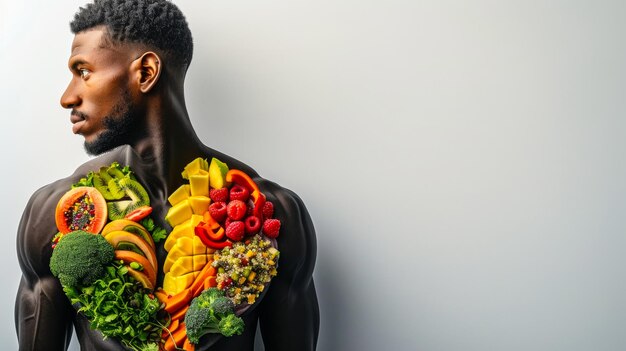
(212, 312)
(157, 232)
(88, 180)
(79, 259)
(119, 307)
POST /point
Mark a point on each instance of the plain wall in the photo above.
(463, 161)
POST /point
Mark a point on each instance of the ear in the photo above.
(150, 66)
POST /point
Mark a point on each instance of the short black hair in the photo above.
(156, 23)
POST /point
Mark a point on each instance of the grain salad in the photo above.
(244, 269)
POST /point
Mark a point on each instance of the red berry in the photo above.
(271, 227)
(268, 209)
(227, 222)
(253, 225)
(236, 209)
(238, 192)
(219, 195)
(250, 205)
(218, 210)
(235, 230)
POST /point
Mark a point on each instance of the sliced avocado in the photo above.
(125, 245)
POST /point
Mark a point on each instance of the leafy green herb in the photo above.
(86, 181)
(119, 307)
(156, 231)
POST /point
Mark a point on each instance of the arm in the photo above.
(289, 313)
(43, 314)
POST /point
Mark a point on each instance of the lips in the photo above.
(77, 121)
(77, 126)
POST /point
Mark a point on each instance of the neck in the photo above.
(170, 141)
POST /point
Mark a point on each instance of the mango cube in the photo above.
(199, 184)
(199, 204)
(179, 195)
(179, 213)
(194, 167)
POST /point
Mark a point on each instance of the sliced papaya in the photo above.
(129, 257)
(82, 208)
(141, 277)
(116, 237)
(131, 227)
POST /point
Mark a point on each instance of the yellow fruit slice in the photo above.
(182, 266)
(179, 195)
(175, 284)
(199, 184)
(195, 167)
(199, 204)
(217, 173)
(185, 229)
(179, 213)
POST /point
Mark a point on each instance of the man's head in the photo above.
(121, 50)
(156, 24)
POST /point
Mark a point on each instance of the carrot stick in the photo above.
(161, 295)
(198, 284)
(188, 346)
(177, 338)
(167, 332)
(179, 300)
(180, 314)
(210, 282)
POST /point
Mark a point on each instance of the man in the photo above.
(126, 97)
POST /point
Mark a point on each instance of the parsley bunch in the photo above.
(119, 307)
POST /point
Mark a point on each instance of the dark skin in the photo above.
(106, 79)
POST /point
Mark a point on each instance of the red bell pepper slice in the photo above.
(240, 178)
(203, 234)
(138, 214)
(211, 234)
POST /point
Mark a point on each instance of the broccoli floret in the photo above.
(209, 295)
(79, 258)
(231, 325)
(212, 312)
(222, 306)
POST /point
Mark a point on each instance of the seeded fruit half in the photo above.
(82, 208)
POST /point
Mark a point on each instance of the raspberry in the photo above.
(271, 227)
(217, 210)
(236, 209)
(219, 195)
(253, 225)
(227, 222)
(237, 192)
(250, 205)
(268, 209)
(235, 230)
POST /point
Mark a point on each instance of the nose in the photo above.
(70, 98)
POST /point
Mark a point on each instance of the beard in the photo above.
(122, 127)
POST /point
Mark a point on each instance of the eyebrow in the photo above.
(76, 63)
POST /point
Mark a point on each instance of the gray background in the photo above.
(463, 161)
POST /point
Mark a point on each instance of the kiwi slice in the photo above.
(107, 185)
(128, 246)
(133, 190)
(115, 173)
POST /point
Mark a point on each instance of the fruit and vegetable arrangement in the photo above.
(221, 254)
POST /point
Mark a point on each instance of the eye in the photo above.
(83, 73)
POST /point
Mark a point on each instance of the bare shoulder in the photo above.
(296, 242)
(37, 226)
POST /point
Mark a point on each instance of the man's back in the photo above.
(44, 316)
